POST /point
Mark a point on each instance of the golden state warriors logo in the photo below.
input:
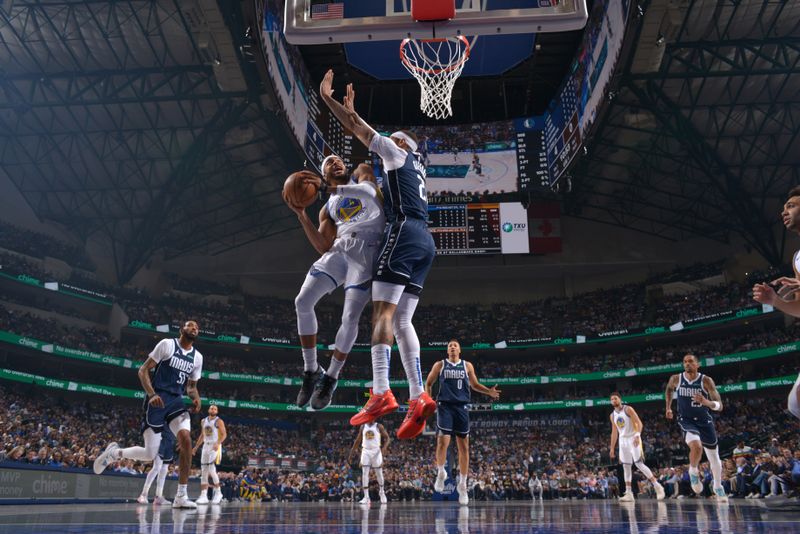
(370, 434)
(620, 422)
(207, 430)
(349, 210)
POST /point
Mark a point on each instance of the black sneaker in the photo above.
(323, 392)
(310, 379)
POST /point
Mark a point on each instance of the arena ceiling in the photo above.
(146, 122)
(701, 134)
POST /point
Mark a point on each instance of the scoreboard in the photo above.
(325, 135)
(479, 228)
(532, 158)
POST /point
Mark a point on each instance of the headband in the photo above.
(324, 161)
(407, 138)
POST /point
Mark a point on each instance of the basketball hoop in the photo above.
(436, 64)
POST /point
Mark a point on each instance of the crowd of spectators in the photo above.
(461, 137)
(39, 245)
(566, 451)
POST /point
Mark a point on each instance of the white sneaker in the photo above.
(719, 495)
(627, 497)
(365, 500)
(382, 495)
(216, 498)
(160, 500)
(660, 493)
(184, 502)
(463, 494)
(142, 499)
(105, 458)
(203, 498)
(441, 478)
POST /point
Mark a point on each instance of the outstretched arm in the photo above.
(492, 392)
(346, 113)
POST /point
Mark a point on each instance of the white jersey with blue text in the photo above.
(357, 216)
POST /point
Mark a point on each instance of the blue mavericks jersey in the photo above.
(404, 193)
(688, 408)
(171, 374)
(454, 383)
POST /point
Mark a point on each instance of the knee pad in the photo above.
(313, 289)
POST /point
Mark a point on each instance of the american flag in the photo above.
(327, 11)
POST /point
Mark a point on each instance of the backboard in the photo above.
(346, 21)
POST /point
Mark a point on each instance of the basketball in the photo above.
(297, 193)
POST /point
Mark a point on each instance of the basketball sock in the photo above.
(441, 470)
(462, 479)
(365, 477)
(716, 465)
(310, 359)
(628, 477)
(334, 367)
(645, 470)
(151, 475)
(181, 491)
(381, 355)
(162, 477)
(408, 343)
(693, 470)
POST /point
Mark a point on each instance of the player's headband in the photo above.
(407, 138)
(324, 161)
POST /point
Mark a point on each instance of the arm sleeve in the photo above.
(198, 367)
(392, 155)
(162, 350)
(362, 191)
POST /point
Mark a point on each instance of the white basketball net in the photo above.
(436, 64)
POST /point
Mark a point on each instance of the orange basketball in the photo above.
(298, 193)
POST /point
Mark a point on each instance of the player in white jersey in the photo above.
(626, 425)
(786, 298)
(374, 441)
(212, 434)
(350, 230)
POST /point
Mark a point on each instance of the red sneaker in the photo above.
(377, 406)
(418, 412)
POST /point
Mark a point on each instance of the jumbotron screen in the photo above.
(479, 228)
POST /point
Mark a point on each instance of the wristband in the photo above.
(637, 434)
(716, 406)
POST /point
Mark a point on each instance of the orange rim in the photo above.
(449, 68)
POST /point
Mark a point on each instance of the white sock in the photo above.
(716, 465)
(181, 491)
(162, 477)
(694, 471)
(441, 471)
(628, 470)
(381, 355)
(408, 343)
(334, 367)
(310, 359)
(462, 479)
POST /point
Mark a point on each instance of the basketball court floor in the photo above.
(644, 516)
